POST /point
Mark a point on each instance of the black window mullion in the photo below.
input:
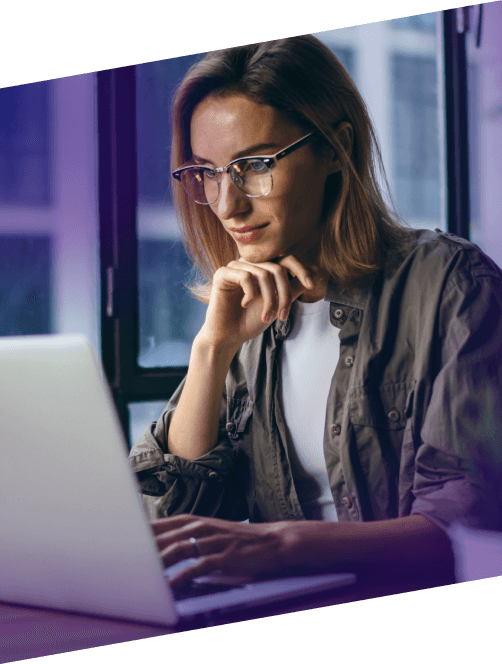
(457, 146)
(106, 132)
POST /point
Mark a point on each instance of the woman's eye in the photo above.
(210, 175)
(257, 166)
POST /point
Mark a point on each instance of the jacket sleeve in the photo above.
(171, 485)
(458, 466)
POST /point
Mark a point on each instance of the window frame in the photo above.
(119, 249)
(455, 22)
(117, 212)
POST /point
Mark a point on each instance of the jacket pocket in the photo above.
(239, 412)
(384, 407)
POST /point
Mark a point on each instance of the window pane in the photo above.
(49, 252)
(141, 415)
(426, 22)
(25, 285)
(169, 318)
(24, 144)
(416, 136)
(395, 66)
(484, 88)
(25, 258)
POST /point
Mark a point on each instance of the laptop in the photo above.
(74, 534)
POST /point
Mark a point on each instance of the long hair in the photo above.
(304, 80)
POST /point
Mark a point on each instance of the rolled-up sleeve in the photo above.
(461, 435)
(172, 485)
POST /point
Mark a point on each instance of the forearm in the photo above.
(407, 546)
(194, 427)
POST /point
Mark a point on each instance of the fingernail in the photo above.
(284, 314)
(309, 282)
(267, 317)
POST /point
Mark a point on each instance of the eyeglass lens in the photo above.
(251, 176)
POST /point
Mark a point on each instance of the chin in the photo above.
(257, 254)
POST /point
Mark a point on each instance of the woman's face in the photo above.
(289, 218)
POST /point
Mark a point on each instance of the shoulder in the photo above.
(438, 258)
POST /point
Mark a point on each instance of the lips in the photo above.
(246, 229)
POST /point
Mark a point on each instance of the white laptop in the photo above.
(73, 531)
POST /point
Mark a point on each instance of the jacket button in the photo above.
(349, 361)
(335, 428)
(346, 502)
(393, 415)
(230, 426)
(213, 475)
(338, 313)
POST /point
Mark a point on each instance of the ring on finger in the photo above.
(196, 544)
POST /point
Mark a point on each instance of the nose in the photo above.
(231, 202)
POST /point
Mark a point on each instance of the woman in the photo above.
(331, 390)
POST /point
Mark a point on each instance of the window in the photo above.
(401, 66)
(347, 58)
(424, 22)
(25, 170)
(24, 144)
(25, 285)
(48, 209)
(169, 318)
(416, 137)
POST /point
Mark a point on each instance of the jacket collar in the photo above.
(356, 299)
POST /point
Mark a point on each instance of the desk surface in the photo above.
(27, 632)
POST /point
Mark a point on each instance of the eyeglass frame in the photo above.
(268, 160)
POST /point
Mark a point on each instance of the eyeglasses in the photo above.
(251, 175)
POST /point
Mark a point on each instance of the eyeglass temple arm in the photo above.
(291, 148)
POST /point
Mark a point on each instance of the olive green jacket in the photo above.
(415, 391)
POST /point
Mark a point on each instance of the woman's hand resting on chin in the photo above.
(247, 297)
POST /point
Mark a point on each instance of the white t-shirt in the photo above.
(308, 359)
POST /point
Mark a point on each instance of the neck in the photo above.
(311, 260)
(318, 293)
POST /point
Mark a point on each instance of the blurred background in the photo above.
(49, 221)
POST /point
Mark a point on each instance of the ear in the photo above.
(345, 135)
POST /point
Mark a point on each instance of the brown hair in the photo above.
(304, 80)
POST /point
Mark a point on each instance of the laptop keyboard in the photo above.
(199, 589)
(217, 582)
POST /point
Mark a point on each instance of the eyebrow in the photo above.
(252, 151)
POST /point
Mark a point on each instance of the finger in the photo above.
(232, 279)
(250, 290)
(289, 286)
(303, 274)
(203, 566)
(283, 288)
(185, 549)
(174, 553)
(181, 536)
(265, 281)
(235, 572)
(169, 523)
